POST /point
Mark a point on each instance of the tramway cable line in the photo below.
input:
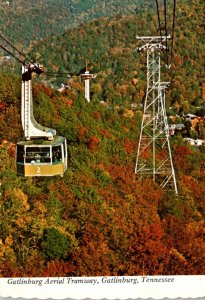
(173, 28)
(166, 34)
(165, 29)
(158, 15)
(19, 52)
(27, 61)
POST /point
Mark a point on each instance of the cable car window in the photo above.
(56, 154)
(38, 155)
(20, 153)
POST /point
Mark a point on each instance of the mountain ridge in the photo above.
(24, 22)
(110, 45)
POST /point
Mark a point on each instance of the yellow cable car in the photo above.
(42, 158)
(42, 153)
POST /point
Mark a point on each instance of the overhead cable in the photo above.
(173, 28)
(159, 22)
(12, 46)
(10, 53)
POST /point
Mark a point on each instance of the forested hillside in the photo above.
(98, 219)
(26, 21)
(111, 47)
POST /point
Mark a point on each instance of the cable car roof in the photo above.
(41, 142)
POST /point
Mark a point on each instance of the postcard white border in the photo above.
(120, 287)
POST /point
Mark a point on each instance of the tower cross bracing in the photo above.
(154, 157)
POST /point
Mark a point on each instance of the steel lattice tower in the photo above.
(154, 156)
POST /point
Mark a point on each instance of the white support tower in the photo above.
(154, 156)
(87, 77)
(31, 128)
